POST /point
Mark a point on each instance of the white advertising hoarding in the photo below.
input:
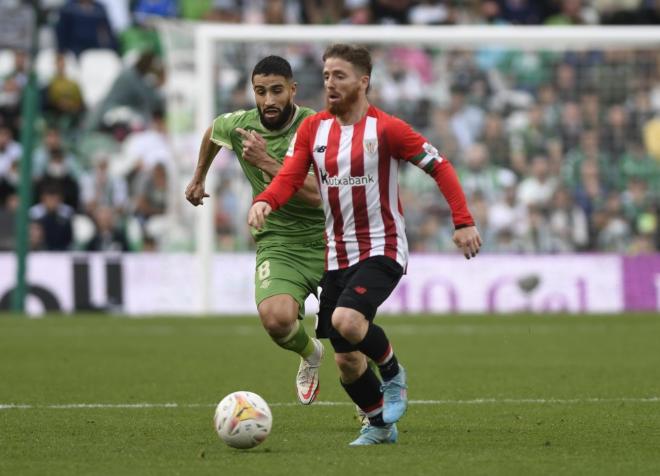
(139, 284)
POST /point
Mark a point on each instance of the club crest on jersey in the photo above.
(371, 145)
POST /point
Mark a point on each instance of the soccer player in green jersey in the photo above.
(291, 246)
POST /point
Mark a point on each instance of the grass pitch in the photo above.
(491, 395)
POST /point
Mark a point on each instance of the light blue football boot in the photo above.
(376, 435)
(395, 397)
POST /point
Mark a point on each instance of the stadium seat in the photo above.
(98, 70)
(83, 230)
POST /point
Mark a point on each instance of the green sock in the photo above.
(297, 341)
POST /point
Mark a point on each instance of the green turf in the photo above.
(569, 395)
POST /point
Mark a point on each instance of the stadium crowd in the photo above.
(557, 151)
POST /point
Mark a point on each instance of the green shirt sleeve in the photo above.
(222, 127)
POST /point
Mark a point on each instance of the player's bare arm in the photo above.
(195, 192)
(258, 213)
(254, 152)
(468, 240)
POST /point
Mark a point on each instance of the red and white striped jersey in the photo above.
(356, 169)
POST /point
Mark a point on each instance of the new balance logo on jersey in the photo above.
(350, 180)
(320, 148)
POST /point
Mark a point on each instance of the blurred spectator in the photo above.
(53, 144)
(388, 12)
(36, 236)
(321, 12)
(9, 183)
(590, 194)
(496, 140)
(142, 150)
(54, 218)
(508, 218)
(571, 13)
(568, 223)
(101, 189)
(430, 12)
(63, 98)
(538, 188)
(144, 10)
(480, 176)
(613, 232)
(570, 125)
(529, 140)
(8, 206)
(636, 164)
(519, 12)
(537, 237)
(358, 12)
(58, 176)
(107, 236)
(618, 134)
(83, 25)
(466, 120)
(10, 150)
(11, 91)
(222, 11)
(151, 193)
(136, 88)
(441, 135)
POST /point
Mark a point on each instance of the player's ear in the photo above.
(294, 88)
(364, 81)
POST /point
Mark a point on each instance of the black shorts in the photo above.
(363, 287)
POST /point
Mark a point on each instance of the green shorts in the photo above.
(286, 268)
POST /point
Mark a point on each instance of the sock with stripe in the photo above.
(297, 341)
(376, 346)
(366, 394)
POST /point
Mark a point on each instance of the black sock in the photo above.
(366, 394)
(376, 346)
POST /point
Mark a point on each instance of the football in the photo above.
(243, 420)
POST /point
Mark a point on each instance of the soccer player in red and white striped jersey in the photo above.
(355, 150)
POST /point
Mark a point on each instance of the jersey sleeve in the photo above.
(222, 127)
(407, 144)
(292, 175)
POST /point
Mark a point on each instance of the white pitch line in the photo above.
(476, 401)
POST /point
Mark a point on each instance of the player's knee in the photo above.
(277, 320)
(347, 323)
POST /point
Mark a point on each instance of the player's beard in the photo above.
(344, 105)
(279, 121)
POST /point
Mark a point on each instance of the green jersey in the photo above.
(295, 222)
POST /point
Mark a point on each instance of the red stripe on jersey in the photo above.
(325, 232)
(384, 189)
(332, 169)
(359, 193)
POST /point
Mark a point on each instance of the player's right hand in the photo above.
(195, 193)
(258, 213)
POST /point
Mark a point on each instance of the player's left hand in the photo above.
(258, 213)
(254, 147)
(468, 240)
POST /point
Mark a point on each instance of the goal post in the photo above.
(210, 38)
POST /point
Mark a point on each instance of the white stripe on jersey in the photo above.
(401, 239)
(376, 225)
(321, 140)
(346, 194)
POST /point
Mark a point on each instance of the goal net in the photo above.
(552, 130)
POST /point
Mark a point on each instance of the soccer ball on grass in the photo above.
(243, 419)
